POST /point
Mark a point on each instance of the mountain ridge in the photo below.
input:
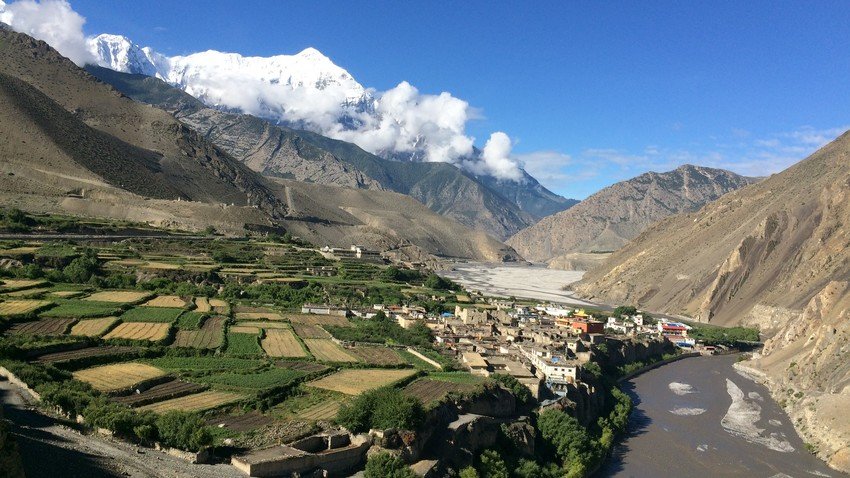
(307, 156)
(608, 219)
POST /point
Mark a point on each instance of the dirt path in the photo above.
(50, 449)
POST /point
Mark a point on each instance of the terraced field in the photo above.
(202, 304)
(239, 423)
(139, 331)
(259, 316)
(265, 325)
(82, 309)
(327, 351)
(428, 390)
(85, 353)
(357, 381)
(376, 355)
(196, 402)
(9, 285)
(160, 392)
(151, 314)
(245, 329)
(321, 411)
(119, 376)
(307, 331)
(42, 327)
(282, 343)
(11, 308)
(93, 327)
(311, 319)
(209, 336)
(166, 301)
(243, 344)
(118, 296)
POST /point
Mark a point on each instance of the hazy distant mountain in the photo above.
(774, 254)
(74, 145)
(482, 202)
(608, 219)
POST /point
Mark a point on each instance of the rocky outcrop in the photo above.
(610, 218)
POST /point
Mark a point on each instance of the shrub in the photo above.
(83, 268)
(183, 430)
(493, 466)
(387, 465)
(382, 408)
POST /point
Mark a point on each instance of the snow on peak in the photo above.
(307, 90)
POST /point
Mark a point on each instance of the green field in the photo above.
(243, 344)
(151, 314)
(204, 364)
(190, 320)
(275, 377)
(81, 309)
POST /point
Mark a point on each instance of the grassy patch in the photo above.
(204, 364)
(81, 309)
(190, 320)
(151, 314)
(456, 377)
(243, 344)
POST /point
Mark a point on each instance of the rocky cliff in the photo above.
(608, 219)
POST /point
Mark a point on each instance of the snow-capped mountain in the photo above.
(300, 89)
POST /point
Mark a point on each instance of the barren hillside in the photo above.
(610, 218)
(774, 254)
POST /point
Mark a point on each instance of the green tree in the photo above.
(493, 466)
(382, 408)
(625, 310)
(567, 438)
(387, 465)
(183, 430)
(520, 391)
(83, 268)
(469, 472)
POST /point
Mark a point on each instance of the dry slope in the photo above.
(608, 219)
(775, 254)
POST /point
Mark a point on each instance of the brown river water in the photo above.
(699, 417)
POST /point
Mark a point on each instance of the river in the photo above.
(700, 417)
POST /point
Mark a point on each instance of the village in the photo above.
(546, 347)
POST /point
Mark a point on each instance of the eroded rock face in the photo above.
(806, 367)
(608, 219)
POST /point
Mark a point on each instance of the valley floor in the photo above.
(523, 281)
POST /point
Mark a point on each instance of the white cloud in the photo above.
(495, 159)
(53, 21)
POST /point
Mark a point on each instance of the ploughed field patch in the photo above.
(17, 307)
(311, 319)
(428, 390)
(282, 343)
(86, 353)
(308, 331)
(93, 327)
(166, 301)
(150, 331)
(327, 350)
(376, 355)
(357, 381)
(42, 327)
(197, 402)
(118, 296)
(160, 392)
(119, 376)
(239, 423)
(209, 336)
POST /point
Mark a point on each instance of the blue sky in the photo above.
(590, 92)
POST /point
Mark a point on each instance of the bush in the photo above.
(83, 268)
(183, 430)
(438, 283)
(387, 465)
(568, 439)
(493, 466)
(382, 408)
